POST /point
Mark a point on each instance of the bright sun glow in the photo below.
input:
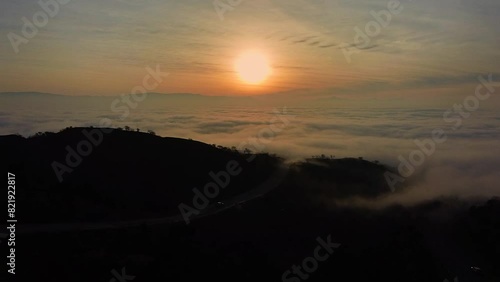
(252, 67)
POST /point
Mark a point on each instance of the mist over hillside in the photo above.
(138, 185)
(464, 165)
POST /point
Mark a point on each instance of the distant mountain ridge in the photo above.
(41, 94)
(29, 94)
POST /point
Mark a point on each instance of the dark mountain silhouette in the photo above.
(129, 175)
(268, 219)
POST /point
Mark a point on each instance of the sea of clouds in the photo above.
(465, 165)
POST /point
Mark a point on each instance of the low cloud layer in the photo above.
(465, 165)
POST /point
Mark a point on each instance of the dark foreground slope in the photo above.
(125, 176)
(283, 235)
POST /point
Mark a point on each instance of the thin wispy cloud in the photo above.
(110, 42)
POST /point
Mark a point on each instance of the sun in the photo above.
(252, 67)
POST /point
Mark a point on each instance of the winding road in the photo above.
(271, 183)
